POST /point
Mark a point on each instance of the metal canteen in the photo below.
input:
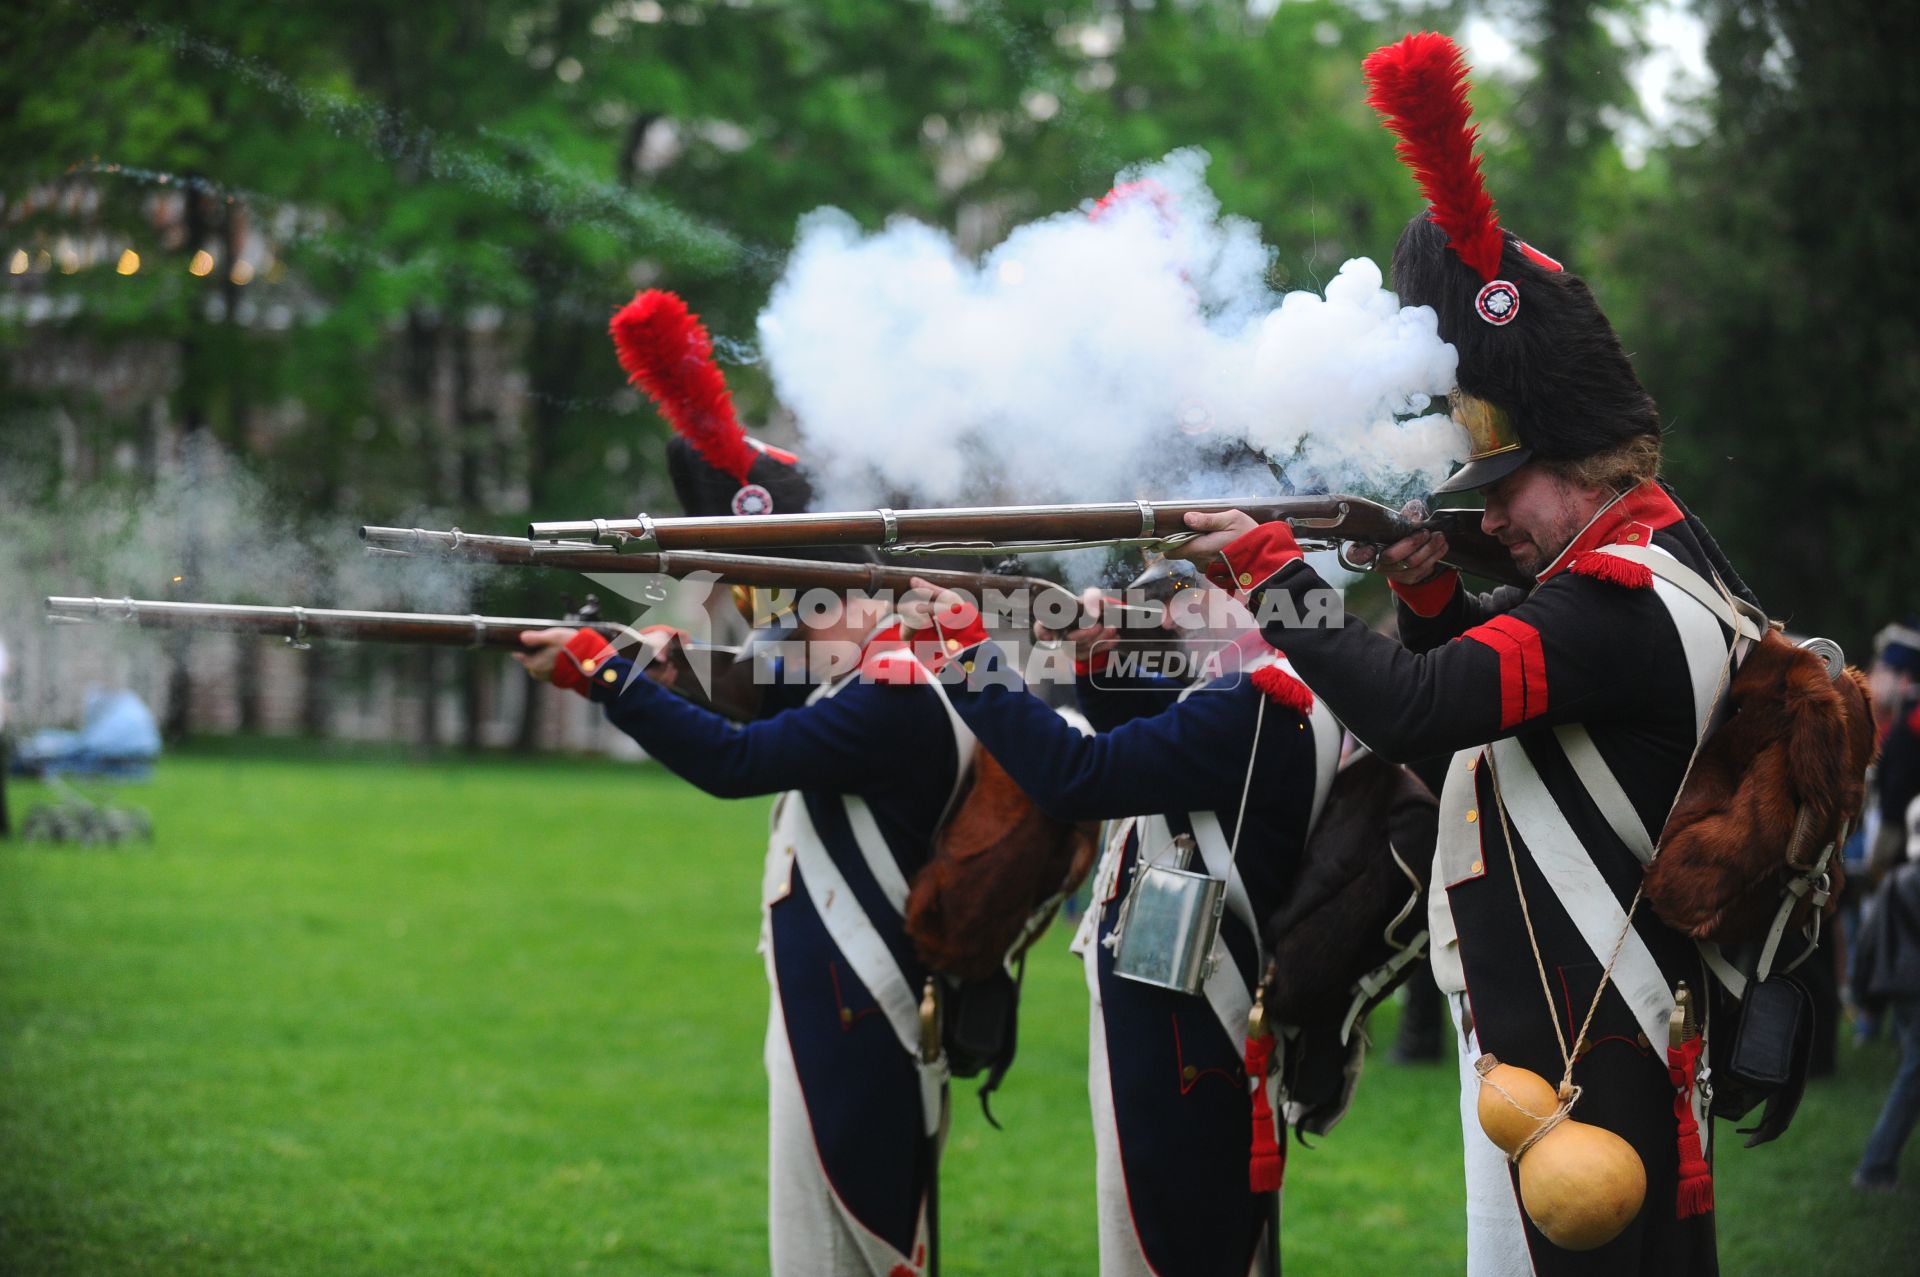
(1172, 915)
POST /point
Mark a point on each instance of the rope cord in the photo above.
(1568, 1093)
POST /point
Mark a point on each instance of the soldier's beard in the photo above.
(1543, 545)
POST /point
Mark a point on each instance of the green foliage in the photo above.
(413, 167)
(1772, 319)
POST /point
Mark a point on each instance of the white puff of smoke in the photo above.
(1322, 383)
(1070, 360)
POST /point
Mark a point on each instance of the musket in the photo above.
(728, 569)
(1318, 521)
(730, 688)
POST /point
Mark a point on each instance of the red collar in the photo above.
(1629, 519)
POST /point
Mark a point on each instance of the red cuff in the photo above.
(582, 657)
(1431, 596)
(1101, 660)
(955, 629)
(1252, 559)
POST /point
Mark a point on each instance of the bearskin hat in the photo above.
(715, 466)
(1542, 374)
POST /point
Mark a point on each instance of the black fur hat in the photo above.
(1557, 371)
(1541, 374)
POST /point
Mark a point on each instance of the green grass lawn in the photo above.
(358, 1014)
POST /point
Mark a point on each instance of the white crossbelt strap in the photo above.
(1736, 615)
(1582, 891)
(1604, 788)
(874, 850)
(853, 932)
(1327, 740)
(1225, 990)
(860, 943)
(1706, 667)
(1217, 856)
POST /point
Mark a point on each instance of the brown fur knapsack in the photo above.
(996, 861)
(1772, 787)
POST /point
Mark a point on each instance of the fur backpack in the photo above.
(1000, 869)
(1769, 796)
(1000, 866)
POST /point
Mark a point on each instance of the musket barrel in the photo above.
(1318, 519)
(727, 569)
(302, 623)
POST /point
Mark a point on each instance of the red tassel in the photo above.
(667, 353)
(1267, 1165)
(1283, 689)
(1612, 569)
(1696, 1177)
(1420, 85)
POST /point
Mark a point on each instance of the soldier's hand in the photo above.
(548, 646)
(1093, 636)
(654, 640)
(926, 603)
(1410, 560)
(1217, 532)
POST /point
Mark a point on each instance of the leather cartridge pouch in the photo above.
(1772, 1040)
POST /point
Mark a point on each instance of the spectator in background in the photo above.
(1895, 685)
(6, 824)
(1886, 975)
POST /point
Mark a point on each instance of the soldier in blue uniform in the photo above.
(1575, 705)
(866, 757)
(1242, 757)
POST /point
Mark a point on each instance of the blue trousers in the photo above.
(1880, 1163)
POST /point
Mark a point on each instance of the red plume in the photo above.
(667, 353)
(1420, 85)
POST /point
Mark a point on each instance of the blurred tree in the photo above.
(1774, 321)
(1552, 129)
(376, 245)
(1280, 104)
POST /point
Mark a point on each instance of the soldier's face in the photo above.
(1536, 514)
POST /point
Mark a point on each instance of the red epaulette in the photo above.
(1612, 569)
(1913, 720)
(1283, 689)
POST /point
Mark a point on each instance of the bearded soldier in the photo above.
(1235, 765)
(857, 1108)
(1575, 705)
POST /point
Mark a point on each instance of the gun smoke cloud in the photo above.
(1100, 354)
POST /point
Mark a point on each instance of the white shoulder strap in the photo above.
(1736, 614)
(1585, 895)
(1748, 626)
